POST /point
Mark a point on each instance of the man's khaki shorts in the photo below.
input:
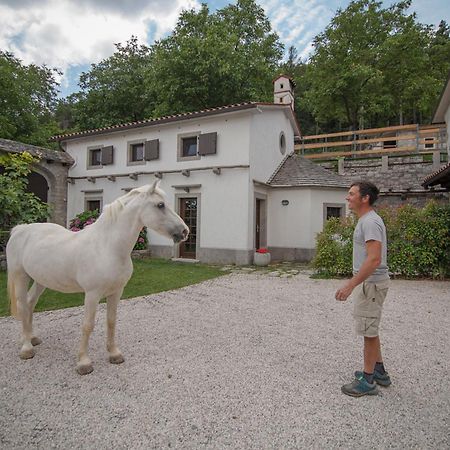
(368, 299)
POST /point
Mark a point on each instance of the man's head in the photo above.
(361, 196)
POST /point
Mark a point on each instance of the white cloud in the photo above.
(61, 33)
(298, 21)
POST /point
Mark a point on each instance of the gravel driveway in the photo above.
(241, 361)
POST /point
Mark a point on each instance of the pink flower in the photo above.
(74, 229)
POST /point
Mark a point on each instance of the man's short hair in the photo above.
(367, 188)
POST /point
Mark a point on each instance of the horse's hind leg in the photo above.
(115, 355)
(32, 298)
(84, 365)
(26, 303)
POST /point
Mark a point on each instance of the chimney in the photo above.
(283, 90)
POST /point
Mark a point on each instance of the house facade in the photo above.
(218, 169)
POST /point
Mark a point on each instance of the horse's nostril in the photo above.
(185, 233)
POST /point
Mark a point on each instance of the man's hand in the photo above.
(344, 292)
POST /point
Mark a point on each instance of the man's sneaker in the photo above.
(359, 387)
(381, 379)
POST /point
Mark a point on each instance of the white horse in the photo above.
(95, 260)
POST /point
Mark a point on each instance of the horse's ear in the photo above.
(152, 187)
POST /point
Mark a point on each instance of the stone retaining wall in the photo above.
(398, 178)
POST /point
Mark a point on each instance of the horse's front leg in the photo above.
(84, 365)
(115, 355)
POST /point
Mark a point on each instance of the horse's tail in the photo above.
(11, 277)
(12, 296)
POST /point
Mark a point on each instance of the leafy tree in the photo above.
(112, 91)
(371, 66)
(215, 59)
(27, 98)
(16, 204)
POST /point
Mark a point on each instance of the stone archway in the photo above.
(49, 177)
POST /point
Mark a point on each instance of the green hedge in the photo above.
(418, 242)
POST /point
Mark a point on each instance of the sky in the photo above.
(73, 34)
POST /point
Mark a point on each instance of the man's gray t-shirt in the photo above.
(370, 227)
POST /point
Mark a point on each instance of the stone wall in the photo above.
(398, 178)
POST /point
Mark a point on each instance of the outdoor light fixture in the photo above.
(285, 202)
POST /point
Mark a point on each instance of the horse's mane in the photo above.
(112, 211)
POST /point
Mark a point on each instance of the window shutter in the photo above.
(107, 155)
(207, 144)
(151, 150)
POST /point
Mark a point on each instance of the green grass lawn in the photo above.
(149, 276)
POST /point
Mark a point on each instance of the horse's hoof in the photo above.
(35, 341)
(85, 369)
(116, 359)
(27, 354)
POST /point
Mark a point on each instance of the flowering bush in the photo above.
(418, 242)
(86, 218)
(262, 250)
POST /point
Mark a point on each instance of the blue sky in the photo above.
(72, 34)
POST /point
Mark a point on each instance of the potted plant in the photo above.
(261, 257)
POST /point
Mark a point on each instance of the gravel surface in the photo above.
(241, 361)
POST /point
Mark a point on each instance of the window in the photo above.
(189, 146)
(95, 157)
(282, 143)
(137, 152)
(100, 156)
(92, 205)
(281, 86)
(331, 210)
(93, 200)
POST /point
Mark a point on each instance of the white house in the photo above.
(229, 172)
(441, 177)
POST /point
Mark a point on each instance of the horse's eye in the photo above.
(160, 205)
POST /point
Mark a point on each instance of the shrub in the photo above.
(418, 242)
(16, 204)
(86, 218)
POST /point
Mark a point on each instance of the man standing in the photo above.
(370, 283)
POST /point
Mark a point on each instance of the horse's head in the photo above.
(157, 215)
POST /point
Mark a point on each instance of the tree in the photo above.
(27, 98)
(113, 91)
(371, 66)
(215, 59)
(16, 204)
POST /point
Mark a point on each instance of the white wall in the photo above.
(297, 224)
(265, 155)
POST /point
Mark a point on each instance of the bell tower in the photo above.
(283, 90)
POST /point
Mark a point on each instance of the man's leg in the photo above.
(372, 353)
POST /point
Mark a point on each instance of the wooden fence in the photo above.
(402, 139)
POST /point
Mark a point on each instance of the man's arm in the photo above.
(372, 261)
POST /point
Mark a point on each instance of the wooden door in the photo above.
(188, 212)
(258, 224)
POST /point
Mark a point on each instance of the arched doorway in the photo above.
(38, 185)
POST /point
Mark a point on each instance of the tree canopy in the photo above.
(371, 66)
(27, 99)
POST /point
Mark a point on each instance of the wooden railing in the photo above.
(375, 141)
